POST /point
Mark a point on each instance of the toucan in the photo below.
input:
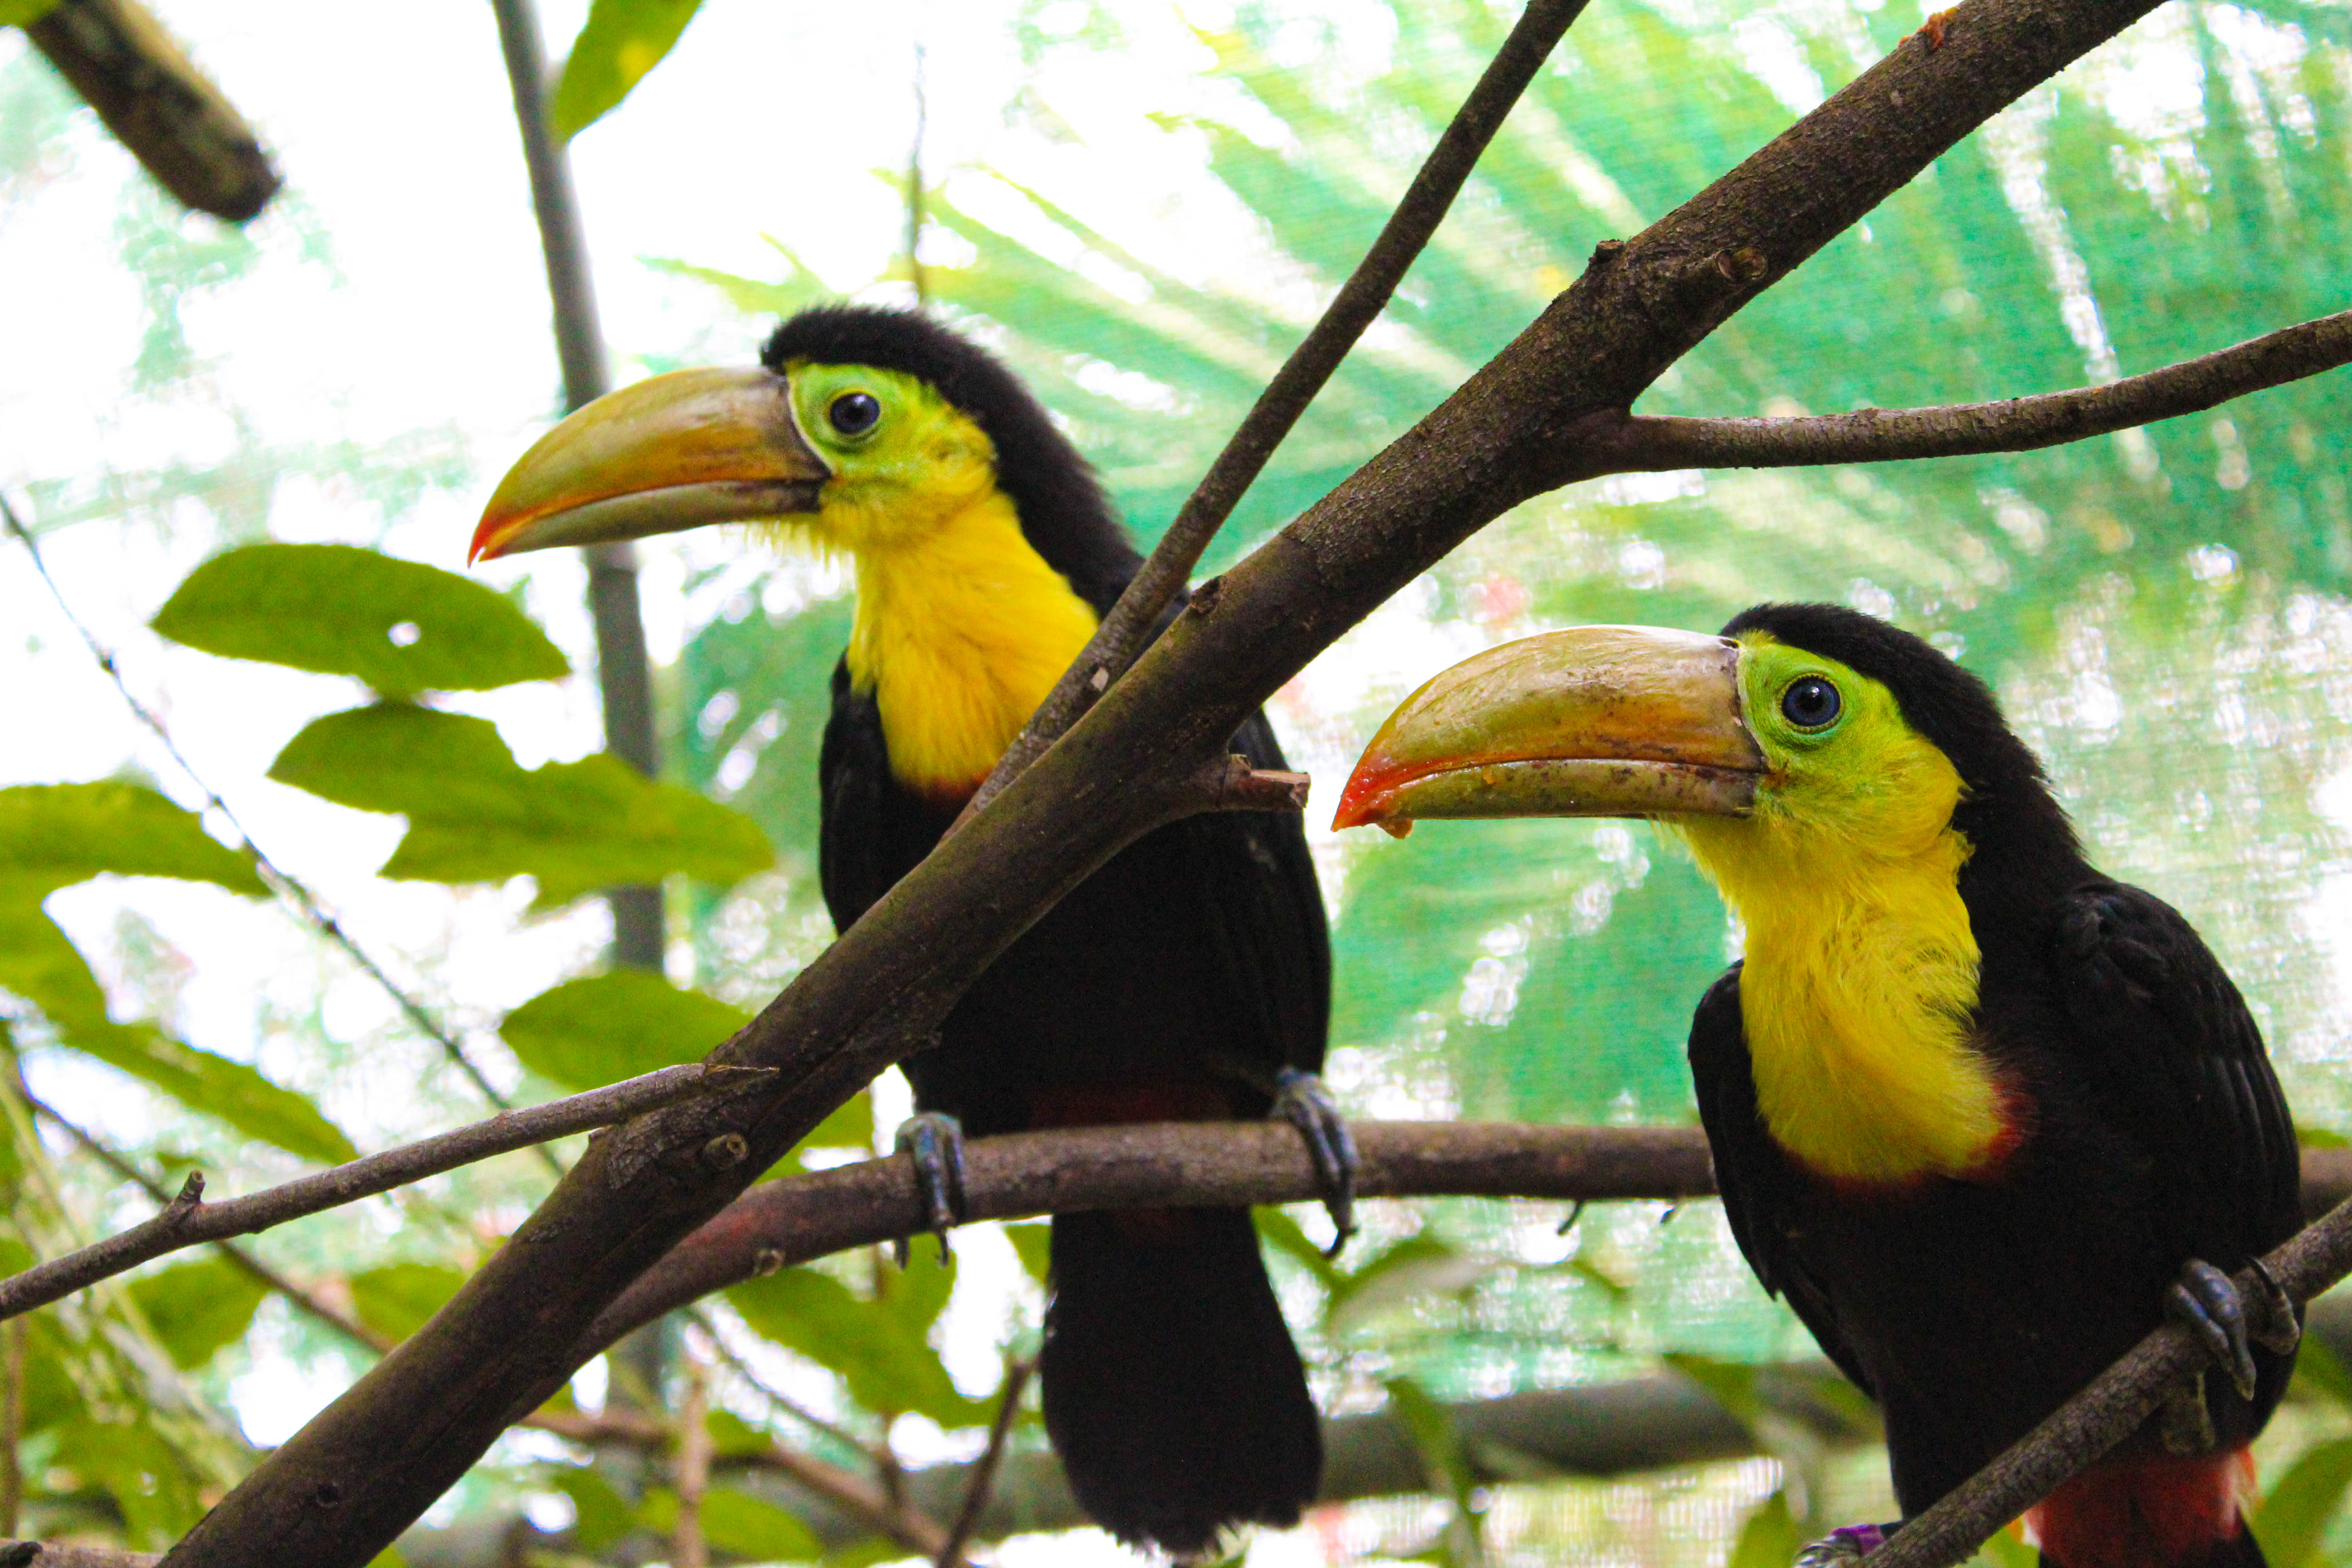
(1188, 979)
(1981, 1115)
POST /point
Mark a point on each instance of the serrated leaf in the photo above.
(475, 815)
(752, 1527)
(879, 1347)
(586, 1033)
(620, 42)
(52, 836)
(1770, 1539)
(400, 626)
(398, 1299)
(600, 1516)
(2292, 1518)
(197, 1308)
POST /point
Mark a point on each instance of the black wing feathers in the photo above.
(2178, 1060)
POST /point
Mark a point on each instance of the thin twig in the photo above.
(691, 1468)
(287, 887)
(2109, 1409)
(188, 1221)
(1643, 445)
(1125, 631)
(12, 1426)
(901, 1521)
(984, 1474)
(344, 1323)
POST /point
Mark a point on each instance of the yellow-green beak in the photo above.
(669, 453)
(1591, 721)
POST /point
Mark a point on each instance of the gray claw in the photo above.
(1301, 1100)
(934, 1140)
(1846, 1544)
(2282, 1327)
(2209, 1304)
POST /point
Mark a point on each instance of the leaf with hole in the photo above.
(400, 626)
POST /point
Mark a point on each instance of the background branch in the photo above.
(188, 1221)
(159, 105)
(1645, 445)
(1357, 305)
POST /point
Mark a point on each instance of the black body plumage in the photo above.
(2149, 1127)
(1173, 983)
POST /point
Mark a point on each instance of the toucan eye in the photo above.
(1811, 703)
(854, 413)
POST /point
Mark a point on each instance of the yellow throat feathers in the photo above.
(960, 636)
(1861, 975)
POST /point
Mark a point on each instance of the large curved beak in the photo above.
(1591, 721)
(672, 452)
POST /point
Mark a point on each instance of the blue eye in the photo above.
(1811, 703)
(854, 413)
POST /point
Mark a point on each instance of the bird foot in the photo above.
(1847, 1543)
(1301, 1100)
(2282, 1323)
(2209, 1305)
(2184, 1423)
(934, 1141)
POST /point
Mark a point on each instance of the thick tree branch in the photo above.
(1278, 408)
(158, 104)
(1643, 445)
(188, 1221)
(2113, 1406)
(342, 1487)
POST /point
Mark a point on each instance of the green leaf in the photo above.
(1430, 1426)
(397, 1299)
(400, 626)
(197, 1308)
(2320, 1138)
(1732, 1383)
(620, 41)
(599, 1514)
(732, 1437)
(1770, 1539)
(1281, 1233)
(202, 1081)
(25, 13)
(880, 1347)
(2004, 1547)
(476, 816)
(1032, 1242)
(2292, 1518)
(52, 836)
(2318, 1369)
(606, 1027)
(754, 1528)
(1415, 1268)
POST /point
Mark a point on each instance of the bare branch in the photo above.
(1644, 445)
(1360, 299)
(56, 1554)
(1230, 784)
(900, 1521)
(158, 104)
(188, 1221)
(984, 1474)
(2110, 1409)
(690, 1468)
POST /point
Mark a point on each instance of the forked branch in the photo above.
(1620, 443)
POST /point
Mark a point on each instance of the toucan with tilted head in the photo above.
(1980, 1114)
(1188, 979)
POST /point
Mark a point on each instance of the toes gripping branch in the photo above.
(934, 1141)
(1301, 1100)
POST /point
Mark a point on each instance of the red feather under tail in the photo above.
(2151, 1511)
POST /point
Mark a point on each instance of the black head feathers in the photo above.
(1064, 515)
(2008, 795)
